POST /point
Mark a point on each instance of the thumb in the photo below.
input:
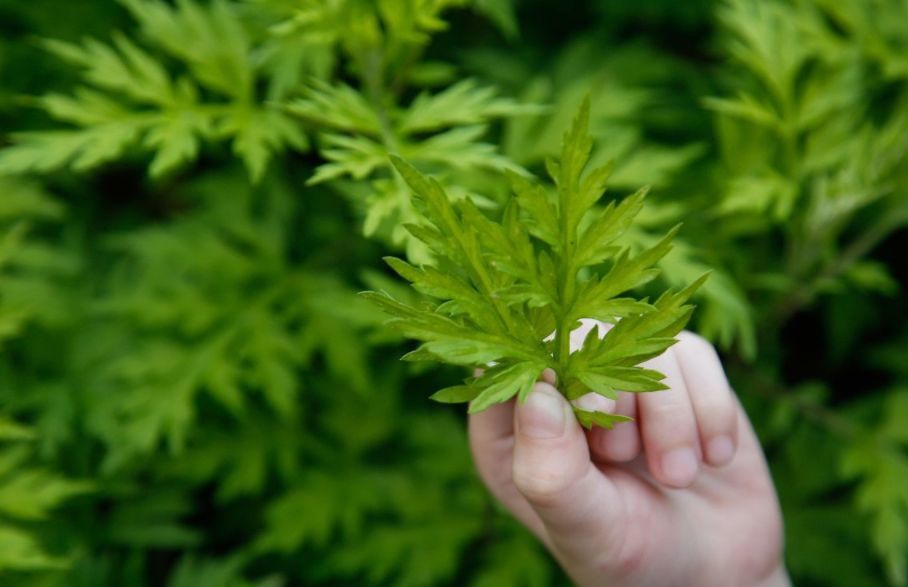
(579, 507)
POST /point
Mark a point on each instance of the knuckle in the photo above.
(674, 411)
(628, 557)
(543, 488)
(660, 438)
(714, 407)
(716, 424)
(622, 453)
(631, 560)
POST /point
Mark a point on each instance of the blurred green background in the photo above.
(192, 193)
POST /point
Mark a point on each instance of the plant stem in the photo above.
(566, 286)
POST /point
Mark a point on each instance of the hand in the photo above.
(681, 496)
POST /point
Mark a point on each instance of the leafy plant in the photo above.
(131, 100)
(359, 130)
(812, 142)
(27, 494)
(192, 191)
(505, 287)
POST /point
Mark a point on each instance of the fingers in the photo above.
(492, 444)
(699, 412)
(536, 458)
(711, 397)
(668, 428)
(622, 443)
(490, 426)
(580, 508)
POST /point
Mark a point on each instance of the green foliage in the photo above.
(882, 467)
(442, 130)
(28, 494)
(191, 193)
(193, 572)
(813, 152)
(501, 297)
(131, 99)
(234, 321)
(784, 141)
(624, 98)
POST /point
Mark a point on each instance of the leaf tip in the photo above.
(697, 283)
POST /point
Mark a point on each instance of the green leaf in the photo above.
(748, 108)
(595, 299)
(464, 103)
(603, 420)
(20, 551)
(193, 571)
(130, 101)
(315, 509)
(210, 39)
(28, 494)
(452, 340)
(457, 394)
(640, 337)
(608, 381)
(432, 282)
(259, 134)
(596, 244)
(337, 107)
(11, 430)
(32, 493)
(533, 199)
(501, 383)
(499, 286)
(153, 521)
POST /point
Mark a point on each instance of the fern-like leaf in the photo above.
(131, 101)
(501, 285)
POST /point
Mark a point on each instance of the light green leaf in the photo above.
(500, 384)
(534, 200)
(597, 240)
(501, 286)
(603, 420)
(338, 107)
(464, 103)
(608, 381)
(20, 551)
(457, 394)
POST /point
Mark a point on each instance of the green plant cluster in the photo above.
(509, 306)
(192, 192)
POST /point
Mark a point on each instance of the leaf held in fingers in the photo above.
(589, 419)
(503, 283)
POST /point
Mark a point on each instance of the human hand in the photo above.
(681, 496)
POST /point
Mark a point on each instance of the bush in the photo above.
(192, 393)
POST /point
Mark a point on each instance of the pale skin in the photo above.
(680, 497)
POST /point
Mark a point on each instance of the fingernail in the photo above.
(543, 415)
(679, 466)
(720, 450)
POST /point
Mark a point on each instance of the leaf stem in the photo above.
(566, 287)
